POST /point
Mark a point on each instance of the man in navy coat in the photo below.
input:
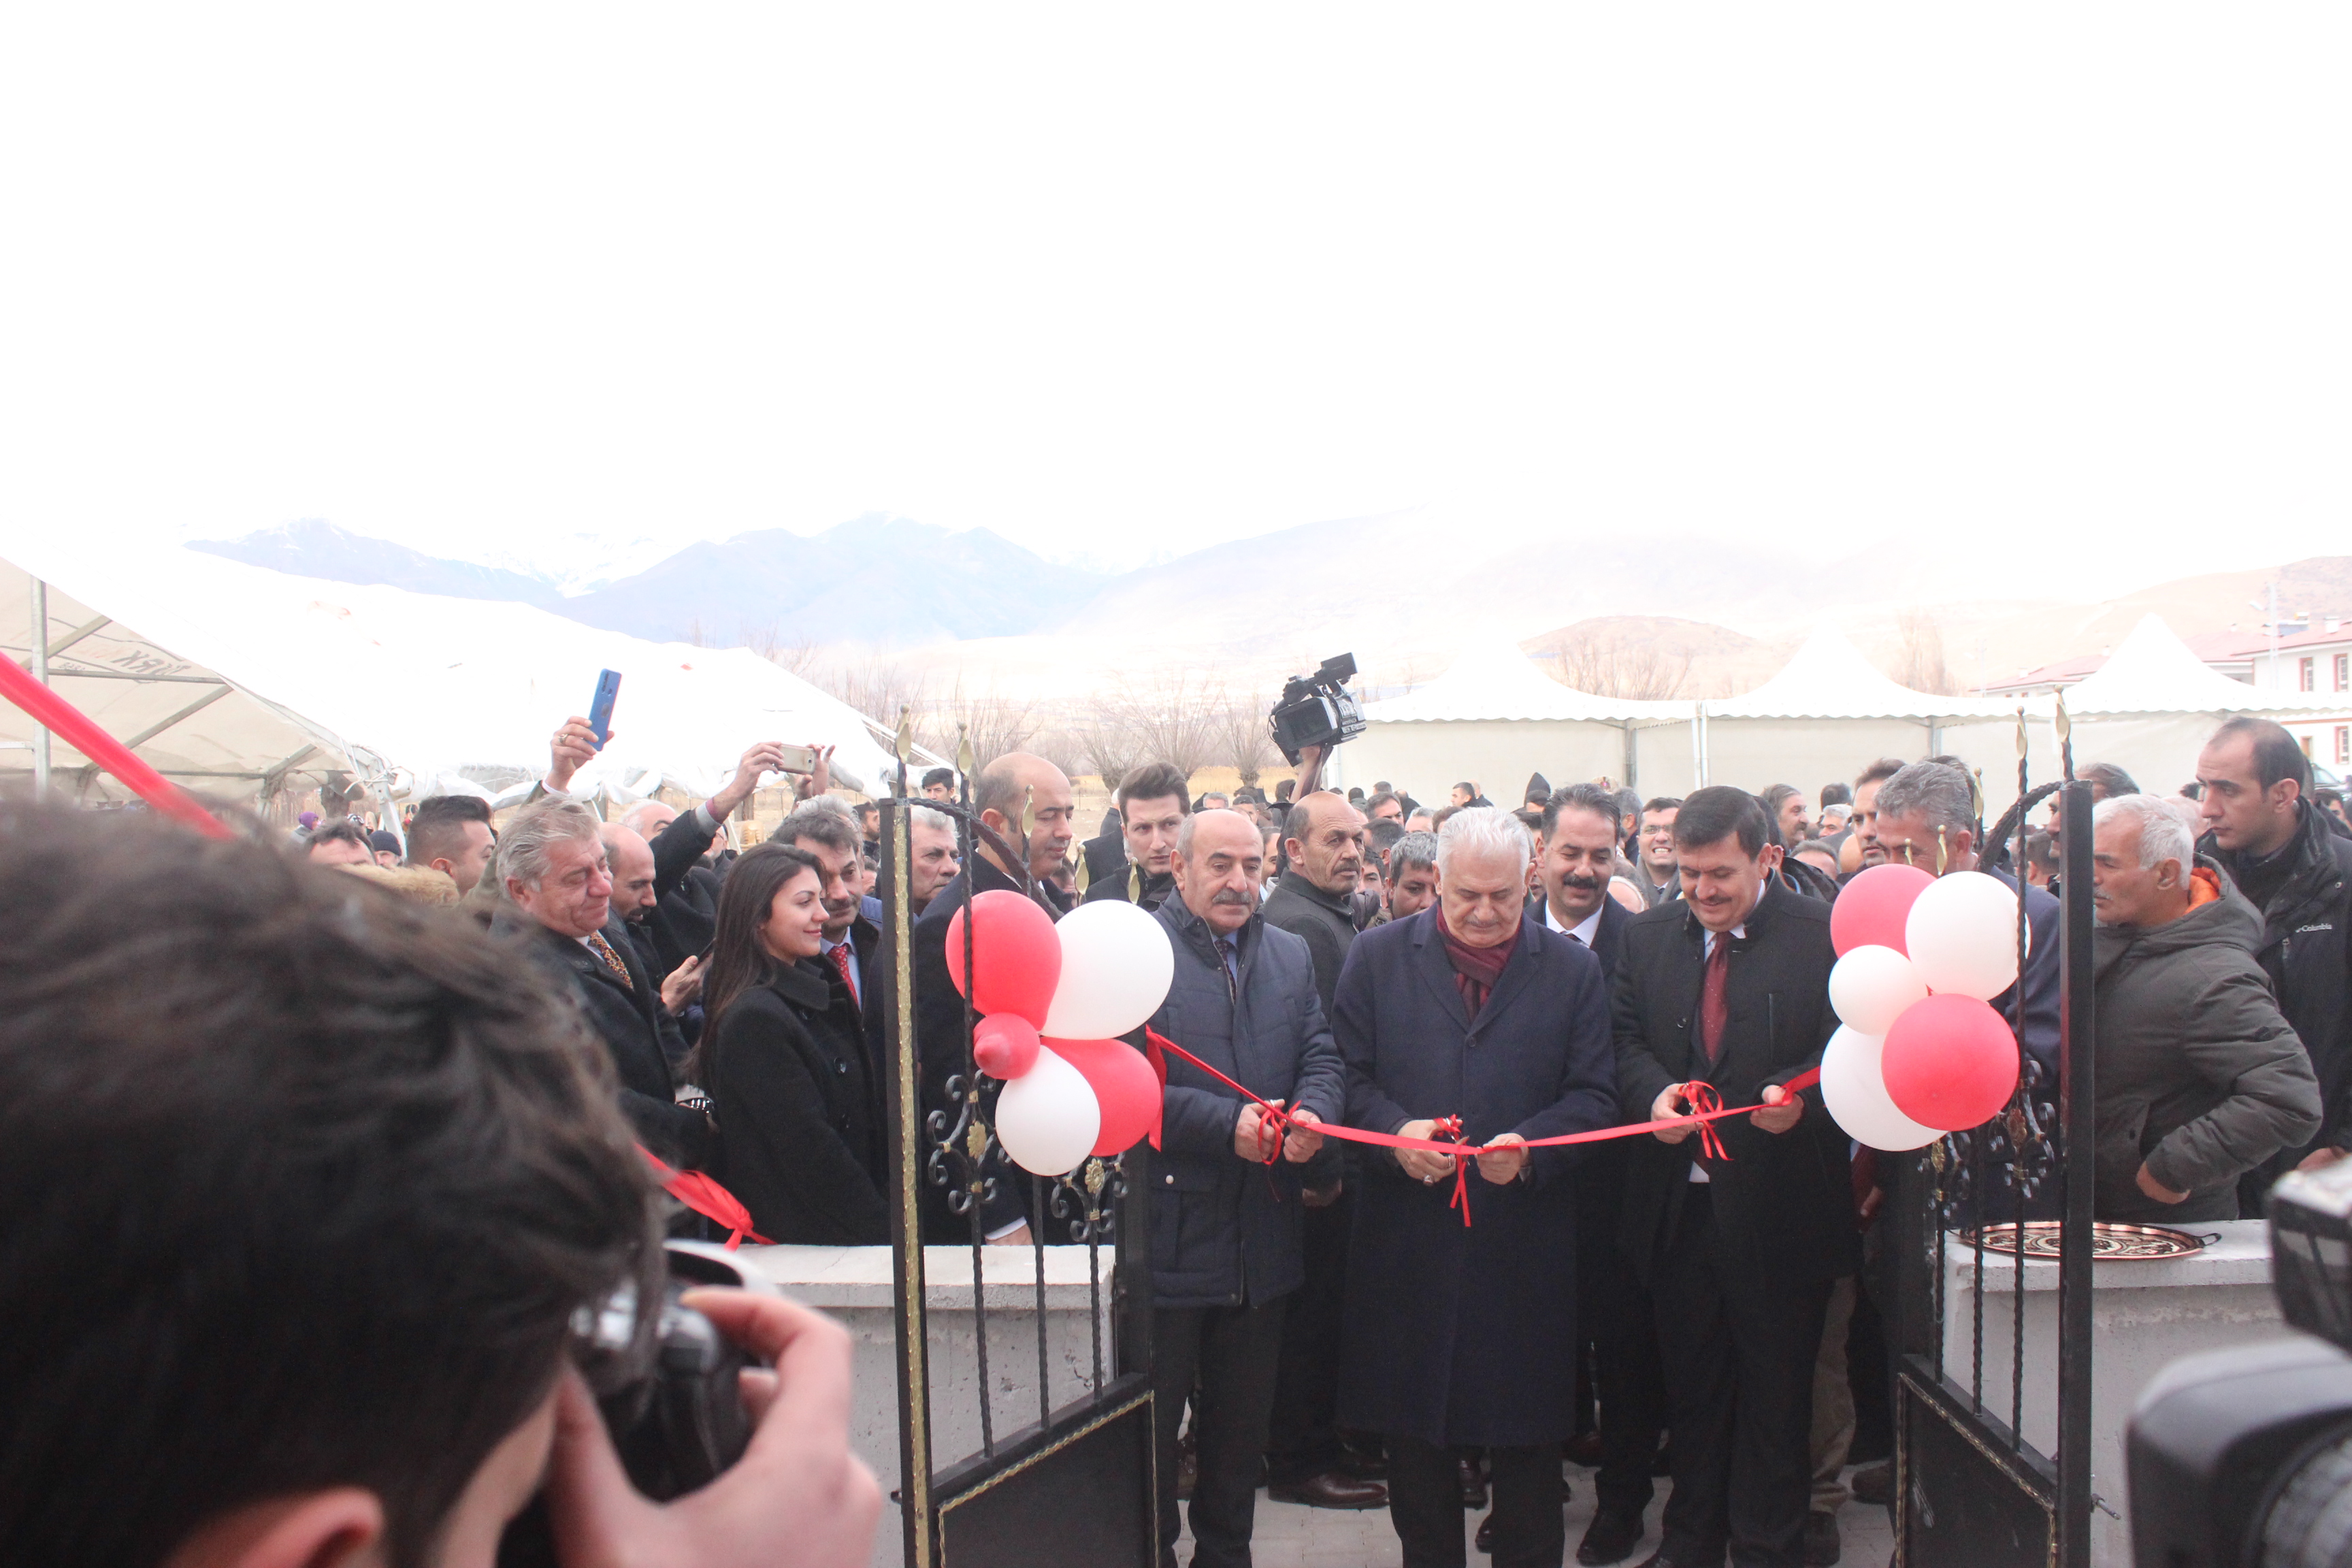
(1463, 1334)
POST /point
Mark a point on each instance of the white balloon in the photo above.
(1048, 1117)
(1871, 986)
(1962, 934)
(1116, 968)
(1855, 1088)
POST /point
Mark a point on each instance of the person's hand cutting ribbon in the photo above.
(1502, 1160)
(1420, 1163)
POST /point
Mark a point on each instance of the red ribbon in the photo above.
(706, 1198)
(82, 733)
(1707, 1107)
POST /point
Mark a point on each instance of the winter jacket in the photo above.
(2304, 947)
(1325, 922)
(2198, 1076)
(1227, 1231)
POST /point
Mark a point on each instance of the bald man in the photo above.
(631, 861)
(1014, 788)
(1324, 844)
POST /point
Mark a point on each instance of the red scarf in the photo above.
(1475, 969)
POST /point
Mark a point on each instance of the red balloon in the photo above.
(1871, 909)
(1015, 950)
(1004, 1045)
(1124, 1085)
(1949, 1062)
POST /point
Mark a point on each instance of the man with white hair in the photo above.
(1464, 1334)
(2200, 1077)
(559, 901)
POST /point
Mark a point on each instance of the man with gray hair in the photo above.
(2200, 1077)
(559, 903)
(1463, 1335)
(1412, 875)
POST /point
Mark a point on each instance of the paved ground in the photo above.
(1288, 1536)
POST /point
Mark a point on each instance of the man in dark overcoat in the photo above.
(1460, 1334)
(1728, 986)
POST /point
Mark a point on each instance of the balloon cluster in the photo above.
(1919, 1051)
(1053, 1000)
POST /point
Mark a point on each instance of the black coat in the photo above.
(799, 1112)
(1455, 1334)
(685, 892)
(2306, 949)
(1783, 1202)
(940, 1045)
(641, 1039)
(1325, 921)
(1225, 1230)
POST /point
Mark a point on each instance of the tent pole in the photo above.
(41, 674)
(1629, 757)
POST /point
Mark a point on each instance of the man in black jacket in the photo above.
(559, 886)
(1729, 987)
(2280, 851)
(1315, 900)
(1014, 788)
(1226, 1238)
(1574, 854)
(1137, 863)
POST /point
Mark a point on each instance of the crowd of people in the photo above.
(1345, 1326)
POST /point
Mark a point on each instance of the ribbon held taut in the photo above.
(1706, 1108)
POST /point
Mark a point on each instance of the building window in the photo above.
(2343, 745)
(2344, 672)
(2307, 674)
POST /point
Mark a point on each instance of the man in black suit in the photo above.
(1137, 862)
(558, 888)
(1576, 856)
(1014, 789)
(1729, 987)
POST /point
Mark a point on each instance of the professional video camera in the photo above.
(2244, 1456)
(667, 1382)
(1317, 709)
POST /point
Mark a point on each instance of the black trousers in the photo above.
(1304, 1439)
(1232, 1352)
(1425, 1504)
(1628, 1376)
(1740, 1357)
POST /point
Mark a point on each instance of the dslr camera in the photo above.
(2244, 1456)
(667, 1382)
(1317, 710)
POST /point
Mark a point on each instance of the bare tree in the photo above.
(1615, 665)
(1920, 659)
(1241, 736)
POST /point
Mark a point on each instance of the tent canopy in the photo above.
(1492, 679)
(414, 692)
(2153, 671)
(1828, 678)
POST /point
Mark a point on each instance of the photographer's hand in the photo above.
(798, 1490)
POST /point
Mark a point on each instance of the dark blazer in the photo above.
(641, 1039)
(799, 1113)
(1224, 1229)
(1327, 921)
(1609, 940)
(939, 1045)
(1454, 1334)
(1784, 1203)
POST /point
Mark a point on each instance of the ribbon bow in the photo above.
(1703, 1101)
(705, 1197)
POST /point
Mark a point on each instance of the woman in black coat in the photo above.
(784, 1060)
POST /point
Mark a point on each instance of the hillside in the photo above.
(313, 548)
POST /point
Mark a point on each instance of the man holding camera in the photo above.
(343, 1172)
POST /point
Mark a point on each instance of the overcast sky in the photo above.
(1863, 278)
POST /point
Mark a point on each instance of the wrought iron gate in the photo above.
(1067, 1487)
(1971, 1491)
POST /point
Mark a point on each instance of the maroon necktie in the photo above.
(1713, 1011)
(840, 957)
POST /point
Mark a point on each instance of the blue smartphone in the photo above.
(599, 712)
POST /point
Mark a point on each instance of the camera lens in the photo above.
(2309, 1522)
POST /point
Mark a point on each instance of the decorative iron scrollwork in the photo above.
(1090, 1203)
(959, 1160)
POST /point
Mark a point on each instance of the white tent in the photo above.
(1829, 712)
(2153, 705)
(417, 693)
(1493, 717)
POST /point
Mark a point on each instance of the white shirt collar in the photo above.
(1740, 930)
(1585, 930)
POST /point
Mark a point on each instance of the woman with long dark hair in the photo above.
(784, 1059)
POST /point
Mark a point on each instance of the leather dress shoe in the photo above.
(1331, 1489)
(1485, 1536)
(1822, 1546)
(1584, 1448)
(1474, 1483)
(1609, 1538)
(1659, 1560)
(1875, 1483)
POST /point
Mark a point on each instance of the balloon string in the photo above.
(1707, 1107)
